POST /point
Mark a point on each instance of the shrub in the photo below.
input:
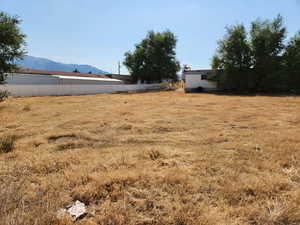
(3, 95)
(7, 144)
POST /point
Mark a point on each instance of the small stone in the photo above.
(76, 210)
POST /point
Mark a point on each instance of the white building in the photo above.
(44, 77)
(54, 83)
(198, 80)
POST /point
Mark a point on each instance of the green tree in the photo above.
(255, 63)
(233, 59)
(11, 44)
(292, 53)
(154, 58)
(267, 43)
(291, 63)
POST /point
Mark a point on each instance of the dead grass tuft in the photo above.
(67, 146)
(62, 138)
(26, 108)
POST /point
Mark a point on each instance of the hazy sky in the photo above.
(99, 32)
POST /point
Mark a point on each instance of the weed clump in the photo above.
(7, 143)
(3, 95)
(154, 154)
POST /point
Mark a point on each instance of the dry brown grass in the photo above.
(152, 158)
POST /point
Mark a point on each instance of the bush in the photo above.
(3, 95)
(199, 89)
(294, 81)
(7, 144)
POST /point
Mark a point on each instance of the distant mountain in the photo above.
(31, 62)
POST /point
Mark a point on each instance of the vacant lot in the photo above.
(153, 158)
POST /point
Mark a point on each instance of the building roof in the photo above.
(87, 78)
(123, 77)
(199, 71)
(119, 76)
(51, 72)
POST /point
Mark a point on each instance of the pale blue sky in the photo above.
(99, 32)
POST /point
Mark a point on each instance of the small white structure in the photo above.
(198, 80)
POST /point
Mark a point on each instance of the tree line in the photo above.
(259, 60)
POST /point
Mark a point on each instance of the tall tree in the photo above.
(233, 58)
(154, 58)
(292, 53)
(11, 44)
(267, 42)
(292, 63)
(254, 63)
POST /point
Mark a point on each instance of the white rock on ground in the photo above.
(76, 210)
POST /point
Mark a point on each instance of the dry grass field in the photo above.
(151, 158)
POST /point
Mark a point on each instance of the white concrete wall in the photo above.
(35, 79)
(90, 82)
(31, 79)
(194, 81)
(54, 90)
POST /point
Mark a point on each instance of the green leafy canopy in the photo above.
(154, 58)
(11, 43)
(258, 60)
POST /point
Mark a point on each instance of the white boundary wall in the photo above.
(56, 90)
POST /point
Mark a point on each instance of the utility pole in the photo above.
(119, 67)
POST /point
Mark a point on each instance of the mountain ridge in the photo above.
(38, 63)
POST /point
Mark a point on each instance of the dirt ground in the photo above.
(151, 158)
